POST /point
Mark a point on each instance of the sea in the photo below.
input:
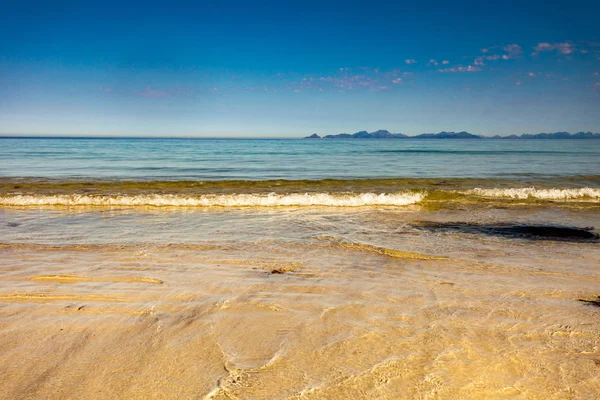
(299, 268)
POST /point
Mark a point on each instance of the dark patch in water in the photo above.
(592, 302)
(531, 232)
(12, 224)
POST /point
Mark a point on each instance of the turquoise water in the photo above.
(267, 159)
(152, 257)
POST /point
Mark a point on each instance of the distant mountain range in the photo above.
(383, 134)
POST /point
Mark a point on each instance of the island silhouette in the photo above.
(384, 134)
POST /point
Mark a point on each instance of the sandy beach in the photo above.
(325, 312)
(299, 200)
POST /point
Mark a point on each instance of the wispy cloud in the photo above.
(163, 93)
(460, 68)
(561, 47)
(568, 48)
(390, 74)
(506, 52)
(512, 51)
(348, 79)
(373, 78)
(493, 57)
(149, 92)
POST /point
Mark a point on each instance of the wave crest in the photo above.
(223, 200)
(534, 193)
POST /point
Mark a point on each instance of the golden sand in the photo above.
(339, 321)
(381, 250)
(78, 279)
(46, 297)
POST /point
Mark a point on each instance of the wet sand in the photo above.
(432, 317)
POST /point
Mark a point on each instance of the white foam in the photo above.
(542, 194)
(223, 200)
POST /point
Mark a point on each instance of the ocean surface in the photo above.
(299, 269)
(294, 159)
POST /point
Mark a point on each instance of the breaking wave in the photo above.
(535, 193)
(219, 200)
(358, 193)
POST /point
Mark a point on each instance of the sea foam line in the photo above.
(534, 193)
(222, 200)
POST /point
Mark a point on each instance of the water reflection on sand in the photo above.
(294, 303)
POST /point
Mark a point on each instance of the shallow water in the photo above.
(289, 289)
(294, 302)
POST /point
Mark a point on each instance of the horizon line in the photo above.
(102, 136)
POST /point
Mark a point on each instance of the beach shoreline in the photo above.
(294, 302)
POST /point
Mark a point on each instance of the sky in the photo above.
(293, 68)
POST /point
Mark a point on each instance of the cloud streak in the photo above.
(375, 79)
(153, 93)
(561, 47)
(149, 92)
(506, 52)
(460, 68)
(512, 51)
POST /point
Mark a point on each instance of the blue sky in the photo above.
(288, 69)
